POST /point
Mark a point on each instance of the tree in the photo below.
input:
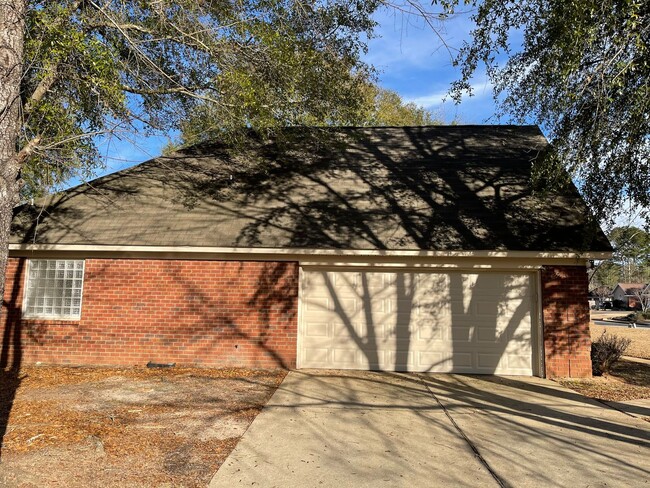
(605, 274)
(581, 70)
(602, 292)
(375, 106)
(73, 71)
(631, 253)
(642, 296)
(386, 108)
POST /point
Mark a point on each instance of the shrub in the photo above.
(642, 315)
(605, 351)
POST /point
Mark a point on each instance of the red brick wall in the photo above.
(567, 344)
(212, 313)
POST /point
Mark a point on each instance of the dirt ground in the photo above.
(640, 346)
(87, 427)
(628, 380)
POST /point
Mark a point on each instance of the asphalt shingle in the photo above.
(407, 188)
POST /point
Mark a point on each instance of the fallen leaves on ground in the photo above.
(117, 426)
(628, 380)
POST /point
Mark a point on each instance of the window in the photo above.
(54, 288)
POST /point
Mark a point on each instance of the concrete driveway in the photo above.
(361, 429)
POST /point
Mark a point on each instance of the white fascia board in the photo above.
(288, 254)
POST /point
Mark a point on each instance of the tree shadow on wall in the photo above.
(255, 332)
(407, 189)
(346, 190)
(350, 192)
(11, 354)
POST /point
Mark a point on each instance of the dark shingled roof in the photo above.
(407, 188)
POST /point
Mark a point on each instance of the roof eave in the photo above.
(26, 249)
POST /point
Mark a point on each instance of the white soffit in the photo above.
(308, 256)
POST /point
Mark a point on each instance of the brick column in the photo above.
(567, 343)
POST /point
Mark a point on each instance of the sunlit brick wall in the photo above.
(567, 343)
(210, 313)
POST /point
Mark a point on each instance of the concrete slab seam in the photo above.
(460, 431)
(609, 405)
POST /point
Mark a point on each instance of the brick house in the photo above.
(411, 248)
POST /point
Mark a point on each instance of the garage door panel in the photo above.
(518, 361)
(465, 318)
(345, 356)
(463, 322)
(360, 329)
(316, 304)
(487, 309)
(461, 333)
(376, 306)
(399, 362)
(428, 332)
(316, 329)
(514, 347)
(435, 361)
(320, 356)
(490, 335)
(451, 362)
(489, 361)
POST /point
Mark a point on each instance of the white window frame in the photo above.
(52, 316)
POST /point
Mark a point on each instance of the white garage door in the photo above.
(404, 321)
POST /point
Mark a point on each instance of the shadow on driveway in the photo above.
(353, 428)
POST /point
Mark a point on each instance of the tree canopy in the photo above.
(631, 260)
(386, 108)
(631, 253)
(581, 69)
(92, 68)
(374, 106)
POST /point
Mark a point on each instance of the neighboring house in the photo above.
(627, 294)
(413, 248)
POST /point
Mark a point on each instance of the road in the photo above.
(610, 323)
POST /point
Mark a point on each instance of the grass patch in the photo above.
(640, 346)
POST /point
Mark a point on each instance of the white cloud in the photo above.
(431, 100)
(406, 41)
(480, 91)
(414, 61)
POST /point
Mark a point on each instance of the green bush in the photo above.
(643, 315)
(605, 351)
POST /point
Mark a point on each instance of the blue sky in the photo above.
(413, 61)
(410, 59)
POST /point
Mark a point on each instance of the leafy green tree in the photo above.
(73, 71)
(374, 106)
(606, 275)
(631, 253)
(96, 68)
(579, 68)
(386, 108)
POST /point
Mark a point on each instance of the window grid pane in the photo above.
(54, 288)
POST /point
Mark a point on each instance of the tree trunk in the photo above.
(12, 33)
